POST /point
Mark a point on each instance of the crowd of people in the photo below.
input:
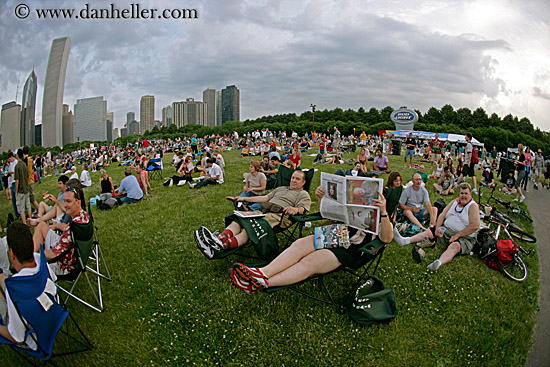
(199, 162)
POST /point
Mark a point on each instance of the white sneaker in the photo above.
(191, 185)
(516, 199)
(522, 198)
(474, 191)
(181, 183)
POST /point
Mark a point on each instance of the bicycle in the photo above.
(515, 231)
(513, 209)
(515, 268)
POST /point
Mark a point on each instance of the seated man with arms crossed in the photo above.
(456, 228)
(381, 162)
(301, 260)
(291, 200)
(26, 263)
(412, 202)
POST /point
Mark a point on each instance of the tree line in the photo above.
(493, 130)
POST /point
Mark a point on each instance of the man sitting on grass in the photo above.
(301, 260)
(289, 200)
(456, 228)
(213, 177)
(381, 162)
(412, 203)
(129, 186)
(47, 212)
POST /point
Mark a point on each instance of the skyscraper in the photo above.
(27, 111)
(130, 116)
(110, 120)
(147, 113)
(167, 116)
(190, 112)
(68, 125)
(10, 128)
(90, 115)
(209, 96)
(230, 104)
(52, 103)
(218, 107)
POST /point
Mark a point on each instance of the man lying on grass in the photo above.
(301, 260)
(456, 227)
(289, 200)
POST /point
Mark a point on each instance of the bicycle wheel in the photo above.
(521, 234)
(515, 270)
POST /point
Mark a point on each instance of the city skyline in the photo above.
(287, 55)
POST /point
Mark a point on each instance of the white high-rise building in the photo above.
(90, 116)
(54, 85)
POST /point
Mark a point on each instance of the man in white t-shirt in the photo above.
(213, 177)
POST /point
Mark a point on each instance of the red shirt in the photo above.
(67, 263)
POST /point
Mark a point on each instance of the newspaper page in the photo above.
(349, 199)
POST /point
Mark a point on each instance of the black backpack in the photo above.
(108, 204)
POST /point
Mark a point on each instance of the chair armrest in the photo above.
(372, 247)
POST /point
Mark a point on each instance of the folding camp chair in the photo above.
(291, 233)
(154, 168)
(28, 294)
(363, 267)
(89, 260)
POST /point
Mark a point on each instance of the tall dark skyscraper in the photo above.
(52, 103)
(27, 111)
(230, 104)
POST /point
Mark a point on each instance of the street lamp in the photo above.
(313, 109)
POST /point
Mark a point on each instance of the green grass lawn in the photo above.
(167, 304)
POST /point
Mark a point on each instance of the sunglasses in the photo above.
(74, 191)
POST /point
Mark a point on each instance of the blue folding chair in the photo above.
(42, 325)
(154, 168)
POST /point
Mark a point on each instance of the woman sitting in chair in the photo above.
(255, 183)
(301, 260)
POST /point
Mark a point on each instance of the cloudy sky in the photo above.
(285, 55)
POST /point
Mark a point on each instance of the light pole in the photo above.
(313, 109)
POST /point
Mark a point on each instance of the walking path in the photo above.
(538, 202)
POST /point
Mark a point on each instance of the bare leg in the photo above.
(290, 256)
(421, 236)
(412, 218)
(39, 236)
(299, 262)
(450, 253)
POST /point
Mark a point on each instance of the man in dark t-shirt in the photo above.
(410, 143)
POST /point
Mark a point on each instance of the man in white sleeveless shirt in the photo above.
(456, 227)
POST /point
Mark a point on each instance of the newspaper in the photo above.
(349, 200)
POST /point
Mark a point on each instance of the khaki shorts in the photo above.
(23, 202)
(466, 243)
